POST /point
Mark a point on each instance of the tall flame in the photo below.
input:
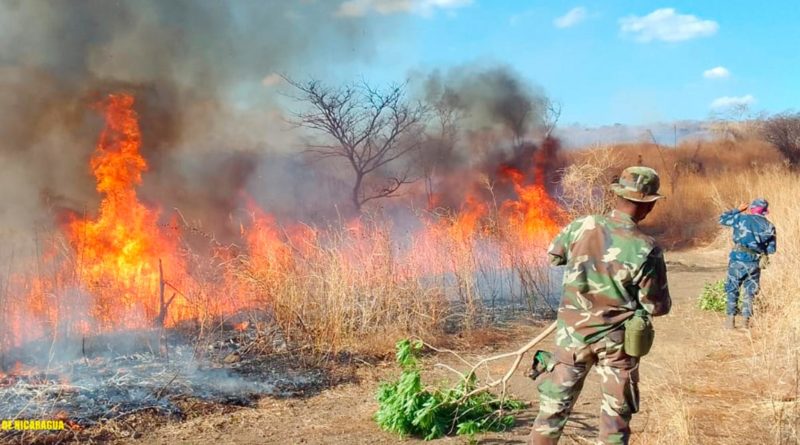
(121, 247)
(533, 214)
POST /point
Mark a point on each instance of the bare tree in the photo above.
(439, 147)
(783, 131)
(551, 113)
(373, 130)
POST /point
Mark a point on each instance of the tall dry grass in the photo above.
(775, 362)
(360, 288)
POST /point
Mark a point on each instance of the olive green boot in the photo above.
(730, 322)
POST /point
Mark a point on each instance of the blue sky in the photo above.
(606, 61)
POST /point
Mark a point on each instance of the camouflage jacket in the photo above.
(753, 235)
(612, 269)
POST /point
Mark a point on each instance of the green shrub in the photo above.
(713, 297)
(409, 408)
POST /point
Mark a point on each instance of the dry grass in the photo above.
(358, 289)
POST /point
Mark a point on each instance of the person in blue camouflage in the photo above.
(754, 240)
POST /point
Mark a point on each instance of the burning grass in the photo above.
(327, 289)
(129, 282)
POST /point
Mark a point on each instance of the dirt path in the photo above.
(688, 389)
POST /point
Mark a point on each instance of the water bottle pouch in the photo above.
(639, 335)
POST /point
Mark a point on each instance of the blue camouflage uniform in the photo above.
(753, 236)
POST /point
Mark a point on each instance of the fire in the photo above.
(112, 277)
(267, 250)
(532, 216)
(119, 250)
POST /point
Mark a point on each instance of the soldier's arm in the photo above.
(729, 217)
(559, 248)
(652, 282)
(772, 244)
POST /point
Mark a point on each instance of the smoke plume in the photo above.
(198, 69)
(489, 118)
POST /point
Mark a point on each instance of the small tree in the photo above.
(783, 131)
(373, 130)
(439, 146)
(550, 115)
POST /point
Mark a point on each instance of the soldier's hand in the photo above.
(743, 207)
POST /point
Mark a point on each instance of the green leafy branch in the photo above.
(713, 297)
(409, 408)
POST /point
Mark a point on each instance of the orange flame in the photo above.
(533, 214)
(120, 249)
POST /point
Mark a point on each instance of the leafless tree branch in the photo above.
(372, 130)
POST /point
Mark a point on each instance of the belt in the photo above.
(740, 248)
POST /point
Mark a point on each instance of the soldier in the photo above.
(612, 270)
(754, 240)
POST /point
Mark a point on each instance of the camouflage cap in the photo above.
(638, 184)
(759, 202)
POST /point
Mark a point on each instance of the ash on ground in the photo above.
(89, 390)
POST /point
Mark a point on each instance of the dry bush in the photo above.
(584, 183)
(783, 131)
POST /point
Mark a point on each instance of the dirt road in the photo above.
(689, 389)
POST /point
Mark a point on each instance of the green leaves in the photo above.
(713, 297)
(407, 352)
(407, 408)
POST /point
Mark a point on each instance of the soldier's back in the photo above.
(602, 255)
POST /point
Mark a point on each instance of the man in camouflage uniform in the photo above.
(612, 269)
(754, 239)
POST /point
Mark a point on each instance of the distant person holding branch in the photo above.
(754, 240)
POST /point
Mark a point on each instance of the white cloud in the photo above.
(360, 8)
(271, 80)
(732, 101)
(719, 72)
(668, 26)
(572, 18)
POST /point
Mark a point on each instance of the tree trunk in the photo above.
(357, 191)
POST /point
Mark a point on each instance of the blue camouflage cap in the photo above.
(759, 202)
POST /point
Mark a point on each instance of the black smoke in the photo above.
(200, 70)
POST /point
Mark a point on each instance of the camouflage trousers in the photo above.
(744, 275)
(560, 388)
